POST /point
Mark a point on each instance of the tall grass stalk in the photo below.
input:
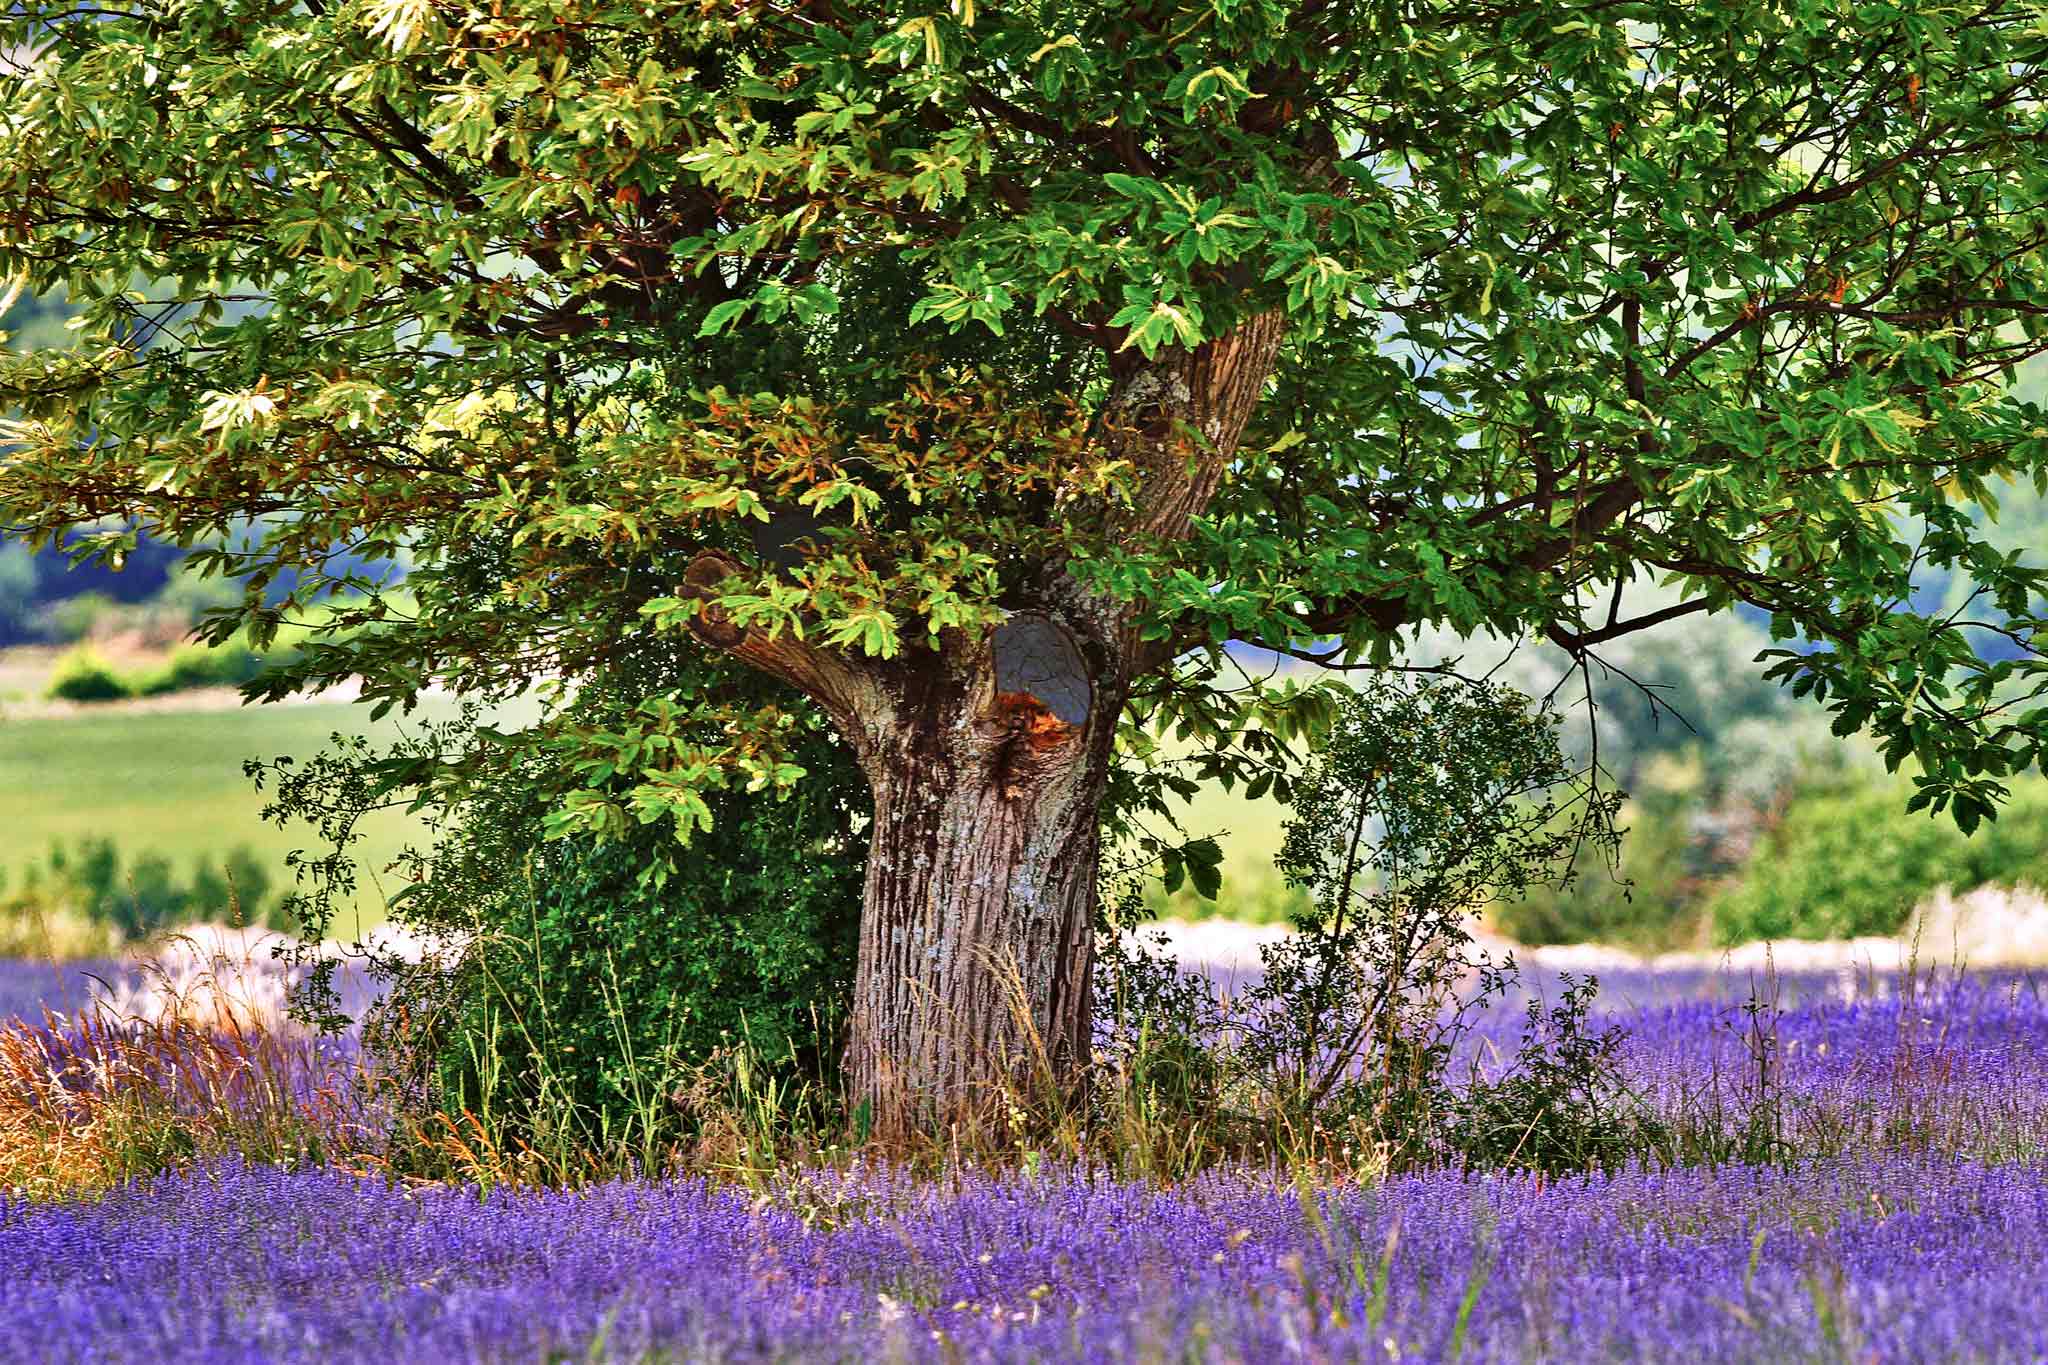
(89, 1100)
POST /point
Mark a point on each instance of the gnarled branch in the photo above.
(848, 689)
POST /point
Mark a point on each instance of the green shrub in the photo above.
(191, 666)
(1426, 801)
(137, 897)
(71, 619)
(237, 888)
(1851, 861)
(17, 589)
(82, 675)
(45, 919)
(1645, 901)
(2014, 848)
(188, 597)
(585, 996)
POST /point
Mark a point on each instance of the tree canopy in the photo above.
(851, 337)
(1565, 294)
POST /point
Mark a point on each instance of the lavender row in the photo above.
(1917, 1258)
(1830, 1064)
(29, 987)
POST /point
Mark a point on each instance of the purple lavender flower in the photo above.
(1912, 1226)
(1898, 1258)
(30, 986)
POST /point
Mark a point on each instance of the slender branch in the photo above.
(1576, 642)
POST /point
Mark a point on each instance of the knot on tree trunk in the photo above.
(1150, 402)
(1043, 697)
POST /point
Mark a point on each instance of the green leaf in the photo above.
(722, 315)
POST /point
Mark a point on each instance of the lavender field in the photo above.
(29, 987)
(1901, 1257)
(1866, 1178)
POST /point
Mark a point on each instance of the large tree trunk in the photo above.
(976, 941)
(989, 759)
(977, 935)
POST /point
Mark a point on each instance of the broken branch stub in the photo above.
(700, 585)
(1036, 658)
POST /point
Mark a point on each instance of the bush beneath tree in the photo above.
(573, 986)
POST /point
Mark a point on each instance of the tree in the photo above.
(1096, 336)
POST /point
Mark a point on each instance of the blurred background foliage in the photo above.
(1746, 818)
(89, 899)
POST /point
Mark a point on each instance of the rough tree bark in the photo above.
(989, 759)
(977, 932)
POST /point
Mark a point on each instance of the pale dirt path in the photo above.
(190, 699)
(1990, 927)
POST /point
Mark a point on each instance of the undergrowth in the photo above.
(90, 1101)
(1358, 1053)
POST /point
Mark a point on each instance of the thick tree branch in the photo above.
(1206, 395)
(848, 690)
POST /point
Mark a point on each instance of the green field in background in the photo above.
(1249, 832)
(171, 783)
